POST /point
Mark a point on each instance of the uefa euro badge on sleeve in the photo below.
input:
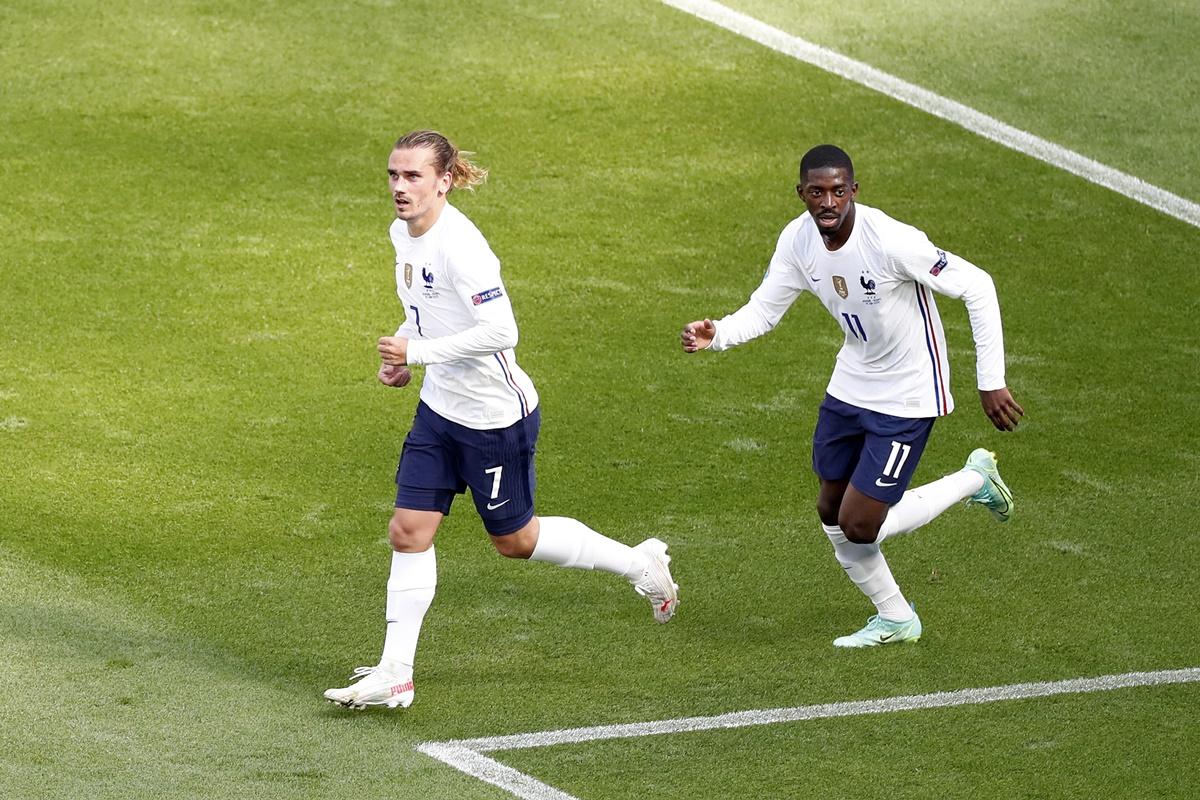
(940, 265)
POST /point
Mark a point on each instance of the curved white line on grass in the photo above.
(964, 116)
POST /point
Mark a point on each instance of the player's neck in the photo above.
(420, 226)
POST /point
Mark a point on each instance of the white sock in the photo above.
(410, 590)
(867, 568)
(569, 543)
(895, 609)
(918, 506)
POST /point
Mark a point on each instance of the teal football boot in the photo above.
(995, 495)
(880, 631)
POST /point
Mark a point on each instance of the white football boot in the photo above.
(374, 686)
(656, 584)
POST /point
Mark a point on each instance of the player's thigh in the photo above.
(837, 440)
(890, 453)
(829, 499)
(499, 467)
(427, 476)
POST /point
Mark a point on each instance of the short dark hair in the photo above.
(826, 156)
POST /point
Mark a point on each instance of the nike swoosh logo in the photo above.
(492, 507)
(883, 485)
(885, 637)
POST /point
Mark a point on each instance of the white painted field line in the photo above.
(959, 114)
(467, 756)
(477, 765)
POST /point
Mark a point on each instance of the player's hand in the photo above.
(393, 350)
(1001, 408)
(394, 376)
(697, 335)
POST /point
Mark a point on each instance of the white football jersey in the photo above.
(877, 287)
(460, 324)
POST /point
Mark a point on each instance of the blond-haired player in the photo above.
(477, 421)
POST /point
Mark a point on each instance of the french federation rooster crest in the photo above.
(866, 284)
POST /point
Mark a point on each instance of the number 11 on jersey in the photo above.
(853, 322)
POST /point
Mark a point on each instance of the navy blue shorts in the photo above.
(441, 459)
(878, 453)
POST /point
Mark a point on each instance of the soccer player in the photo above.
(876, 277)
(476, 424)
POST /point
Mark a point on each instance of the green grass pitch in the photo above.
(197, 461)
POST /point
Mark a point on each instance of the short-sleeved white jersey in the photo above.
(459, 322)
(877, 287)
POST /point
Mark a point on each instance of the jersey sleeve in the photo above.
(780, 287)
(945, 273)
(475, 276)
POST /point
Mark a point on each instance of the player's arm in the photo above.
(494, 330)
(779, 289)
(493, 326)
(490, 333)
(953, 276)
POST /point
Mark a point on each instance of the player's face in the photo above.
(829, 194)
(418, 191)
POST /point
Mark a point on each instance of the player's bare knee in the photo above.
(504, 546)
(513, 545)
(518, 544)
(404, 539)
(398, 537)
(827, 512)
(829, 500)
(859, 531)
